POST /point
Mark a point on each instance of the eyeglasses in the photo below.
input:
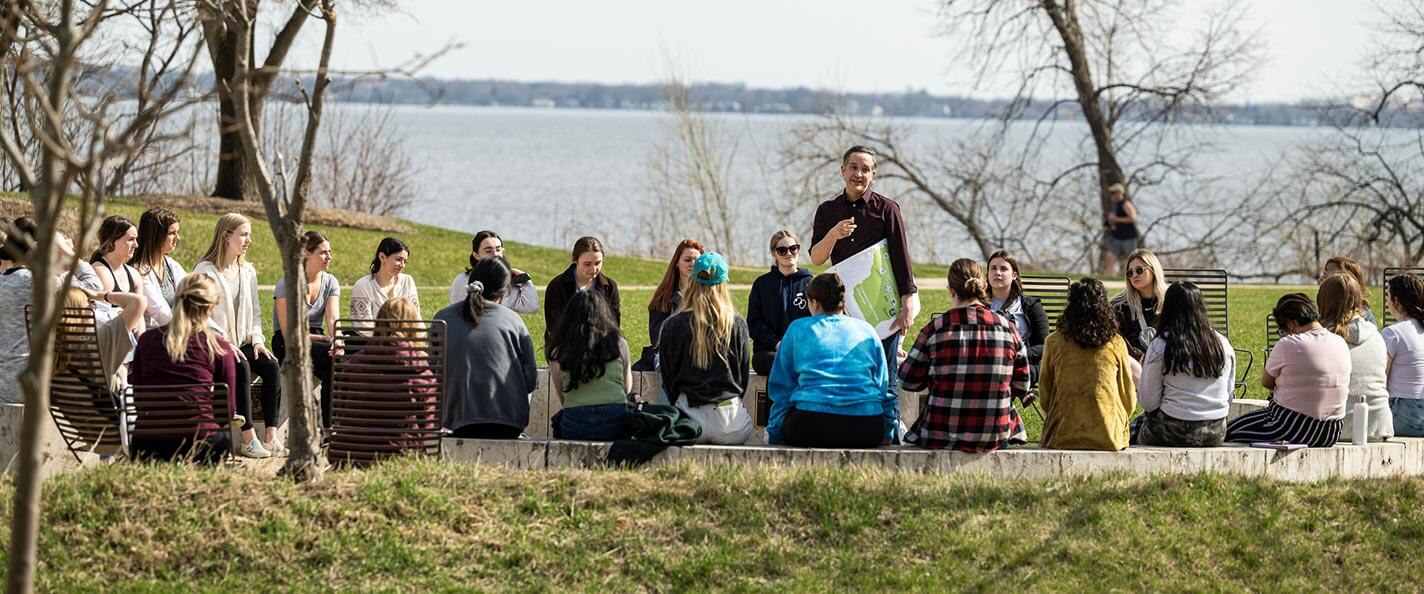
(1131, 272)
(788, 249)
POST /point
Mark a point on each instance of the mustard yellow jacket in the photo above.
(1087, 395)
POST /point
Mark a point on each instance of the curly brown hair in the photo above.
(1088, 320)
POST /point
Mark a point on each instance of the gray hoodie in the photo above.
(1368, 359)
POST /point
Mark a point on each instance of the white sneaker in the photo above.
(254, 449)
(276, 448)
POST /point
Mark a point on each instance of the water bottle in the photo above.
(1361, 425)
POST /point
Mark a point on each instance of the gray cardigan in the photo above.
(489, 369)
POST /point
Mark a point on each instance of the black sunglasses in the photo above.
(1131, 272)
(788, 250)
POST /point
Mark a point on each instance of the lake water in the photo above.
(548, 176)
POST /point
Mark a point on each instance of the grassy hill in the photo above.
(416, 525)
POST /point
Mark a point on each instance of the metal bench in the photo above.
(387, 391)
(172, 414)
(85, 411)
(1215, 288)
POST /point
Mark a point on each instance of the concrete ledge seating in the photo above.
(1401, 457)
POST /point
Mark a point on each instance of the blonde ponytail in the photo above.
(193, 302)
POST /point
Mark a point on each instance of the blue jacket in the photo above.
(774, 303)
(830, 364)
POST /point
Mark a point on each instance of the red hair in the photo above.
(662, 297)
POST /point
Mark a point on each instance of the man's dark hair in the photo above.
(845, 159)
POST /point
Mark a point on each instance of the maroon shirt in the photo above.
(876, 218)
(153, 367)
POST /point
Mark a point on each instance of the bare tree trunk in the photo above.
(234, 64)
(284, 215)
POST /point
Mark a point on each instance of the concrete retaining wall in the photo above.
(1403, 457)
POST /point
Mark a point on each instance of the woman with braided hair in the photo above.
(1404, 341)
(974, 364)
(829, 381)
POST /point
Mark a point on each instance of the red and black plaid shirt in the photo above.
(970, 361)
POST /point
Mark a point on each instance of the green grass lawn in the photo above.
(416, 525)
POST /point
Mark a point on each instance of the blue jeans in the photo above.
(892, 416)
(601, 422)
(1408, 416)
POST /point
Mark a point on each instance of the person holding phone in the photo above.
(522, 297)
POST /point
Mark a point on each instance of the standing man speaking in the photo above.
(857, 219)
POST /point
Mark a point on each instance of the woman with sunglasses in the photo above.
(1139, 304)
(777, 299)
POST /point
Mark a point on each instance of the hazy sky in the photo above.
(837, 44)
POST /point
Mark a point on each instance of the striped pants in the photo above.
(1278, 423)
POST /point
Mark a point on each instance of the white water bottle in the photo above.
(1361, 423)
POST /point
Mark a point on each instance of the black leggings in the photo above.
(271, 387)
(321, 367)
(806, 429)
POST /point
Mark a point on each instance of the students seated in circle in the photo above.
(385, 282)
(118, 240)
(777, 299)
(590, 371)
(1342, 305)
(188, 351)
(239, 315)
(667, 297)
(973, 364)
(828, 384)
(585, 273)
(1086, 385)
(1188, 376)
(523, 295)
(1339, 264)
(489, 366)
(1308, 374)
(158, 237)
(1139, 304)
(319, 314)
(1006, 298)
(1404, 342)
(703, 356)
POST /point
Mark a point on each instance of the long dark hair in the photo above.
(152, 234)
(1191, 343)
(110, 231)
(1088, 320)
(662, 296)
(492, 276)
(586, 339)
(1407, 290)
(479, 239)
(389, 246)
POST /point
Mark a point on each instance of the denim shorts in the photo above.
(601, 422)
(1408, 416)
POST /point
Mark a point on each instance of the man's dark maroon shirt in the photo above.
(876, 218)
